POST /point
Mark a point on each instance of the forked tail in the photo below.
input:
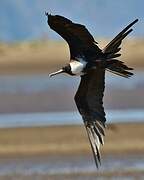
(111, 52)
(95, 132)
(119, 68)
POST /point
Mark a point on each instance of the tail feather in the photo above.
(113, 46)
(111, 50)
(119, 68)
(124, 74)
(115, 55)
(95, 131)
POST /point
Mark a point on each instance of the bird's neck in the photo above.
(77, 67)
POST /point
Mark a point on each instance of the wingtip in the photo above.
(97, 160)
(136, 20)
(95, 140)
(47, 14)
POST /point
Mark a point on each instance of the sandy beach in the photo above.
(63, 153)
(44, 56)
(66, 140)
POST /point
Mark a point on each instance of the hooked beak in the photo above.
(57, 72)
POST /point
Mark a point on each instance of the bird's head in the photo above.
(65, 69)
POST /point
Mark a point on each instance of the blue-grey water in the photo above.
(40, 83)
(77, 167)
(57, 167)
(65, 118)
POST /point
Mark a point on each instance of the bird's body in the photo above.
(78, 66)
(89, 62)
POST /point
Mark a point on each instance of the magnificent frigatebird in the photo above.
(90, 62)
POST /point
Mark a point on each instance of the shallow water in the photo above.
(41, 82)
(65, 118)
(68, 167)
(30, 84)
(77, 166)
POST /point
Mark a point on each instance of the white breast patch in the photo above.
(78, 66)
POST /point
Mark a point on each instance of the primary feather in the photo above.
(77, 36)
(84, 55)
(82, 43)
(89, 101)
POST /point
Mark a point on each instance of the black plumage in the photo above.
(89, 101)
(92, 62)
(76, 35)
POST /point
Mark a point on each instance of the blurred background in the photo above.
(41, 133)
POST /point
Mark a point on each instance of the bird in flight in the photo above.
(89, 62)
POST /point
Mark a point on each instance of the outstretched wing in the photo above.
(113, 47)
(89, 101)
(79, 39)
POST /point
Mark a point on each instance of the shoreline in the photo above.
(45, 56)
(121, 138)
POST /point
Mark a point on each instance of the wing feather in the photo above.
(89, 101)
(79, 39)
(114, 46)
(112, 49)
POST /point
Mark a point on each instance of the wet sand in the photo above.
(65, 140)
(22, 144)
(44, 56)
(63, 153)
(119, 175)
(63, 100)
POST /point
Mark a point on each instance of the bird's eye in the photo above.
(67, 68)
(64, 68)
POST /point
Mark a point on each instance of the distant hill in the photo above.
(24, 20)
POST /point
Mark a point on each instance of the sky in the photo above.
(22, 20)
